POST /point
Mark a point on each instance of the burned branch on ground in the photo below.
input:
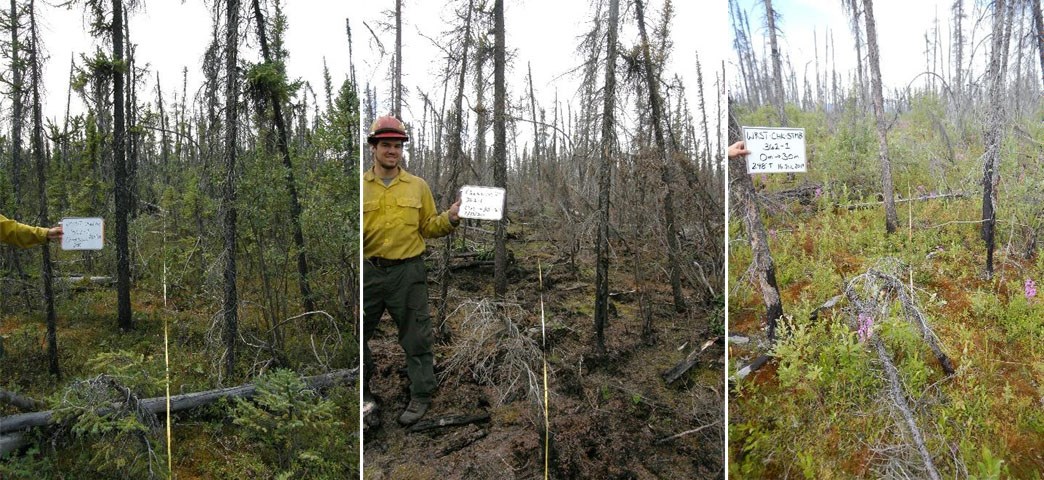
(494, 350)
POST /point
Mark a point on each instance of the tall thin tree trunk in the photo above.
(499, 147)
(17, 117)
(1038, 27)
(228, 203)
(745, 201)
(673, 249)
(164, 145)
(119, 159)
(282, 143)
(992, 135)
(777, 64)
(397, 74)
(16, 111)
(41, 178)
(604, 181)
(891, 218)
(482, 112)
(703, 116)
(132, 120)
(958, 45)
(456, 153)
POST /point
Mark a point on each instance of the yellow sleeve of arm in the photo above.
(433, 224)
(21, 235)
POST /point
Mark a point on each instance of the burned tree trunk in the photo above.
(745, 201)
(891, 218)
(604, 181)
(397, 65)
(10, 426)
(499, 147)
(991, 137)
(1038, 27)
(456, 153)
(673, 249)
(777, 64)
(283, 143)
(228, 199)
(119, 160)
(41, 185)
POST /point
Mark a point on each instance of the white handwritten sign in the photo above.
(775, 150)
(483, 203)
(83, 233)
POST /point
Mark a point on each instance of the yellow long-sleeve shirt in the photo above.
(398, 217)
(21, 235)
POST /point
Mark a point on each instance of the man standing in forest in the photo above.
(25, 236)
(398, 214)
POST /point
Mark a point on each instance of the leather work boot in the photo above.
(414, 411)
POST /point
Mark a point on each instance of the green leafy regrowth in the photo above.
(296, 431)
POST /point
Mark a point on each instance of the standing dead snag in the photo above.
(1038, 26)
(41, 177)
(891, 218)
(604, 176)
(119, 160)
(666, 173)
(991, 137)
(744, 198)
(499, 146)
(777, 64)
(283, 142)
(228, 198)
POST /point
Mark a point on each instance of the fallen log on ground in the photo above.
(805, 194)
(85, 280)
(937, 196)
(915, 314)
(20, 402)
(462, 441)
(448, 421)
(10, 425)
(895, 388)
(753, 367)
(691, 360)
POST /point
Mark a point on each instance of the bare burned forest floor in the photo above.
(608, 413)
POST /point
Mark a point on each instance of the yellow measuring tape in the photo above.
(543, 357)
(166, 351)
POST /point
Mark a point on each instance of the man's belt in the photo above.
(390, 262)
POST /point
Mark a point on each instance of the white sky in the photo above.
(172, 35)
(901, 26)
(545, 33)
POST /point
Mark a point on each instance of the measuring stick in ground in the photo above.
(775, 150)
(166, 351)
(543, 356)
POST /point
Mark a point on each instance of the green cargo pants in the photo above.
(402, 290)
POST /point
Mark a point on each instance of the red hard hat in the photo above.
(387, 127)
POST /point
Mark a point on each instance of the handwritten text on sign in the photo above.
(483, 203)
(775, 150)
(83, 233)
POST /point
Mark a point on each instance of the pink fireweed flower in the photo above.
(866, 325)
(1031, 289)
(819, 192)
(772, 233)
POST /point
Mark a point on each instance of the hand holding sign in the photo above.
(483, 203)
(83, 233)
(775, 150)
